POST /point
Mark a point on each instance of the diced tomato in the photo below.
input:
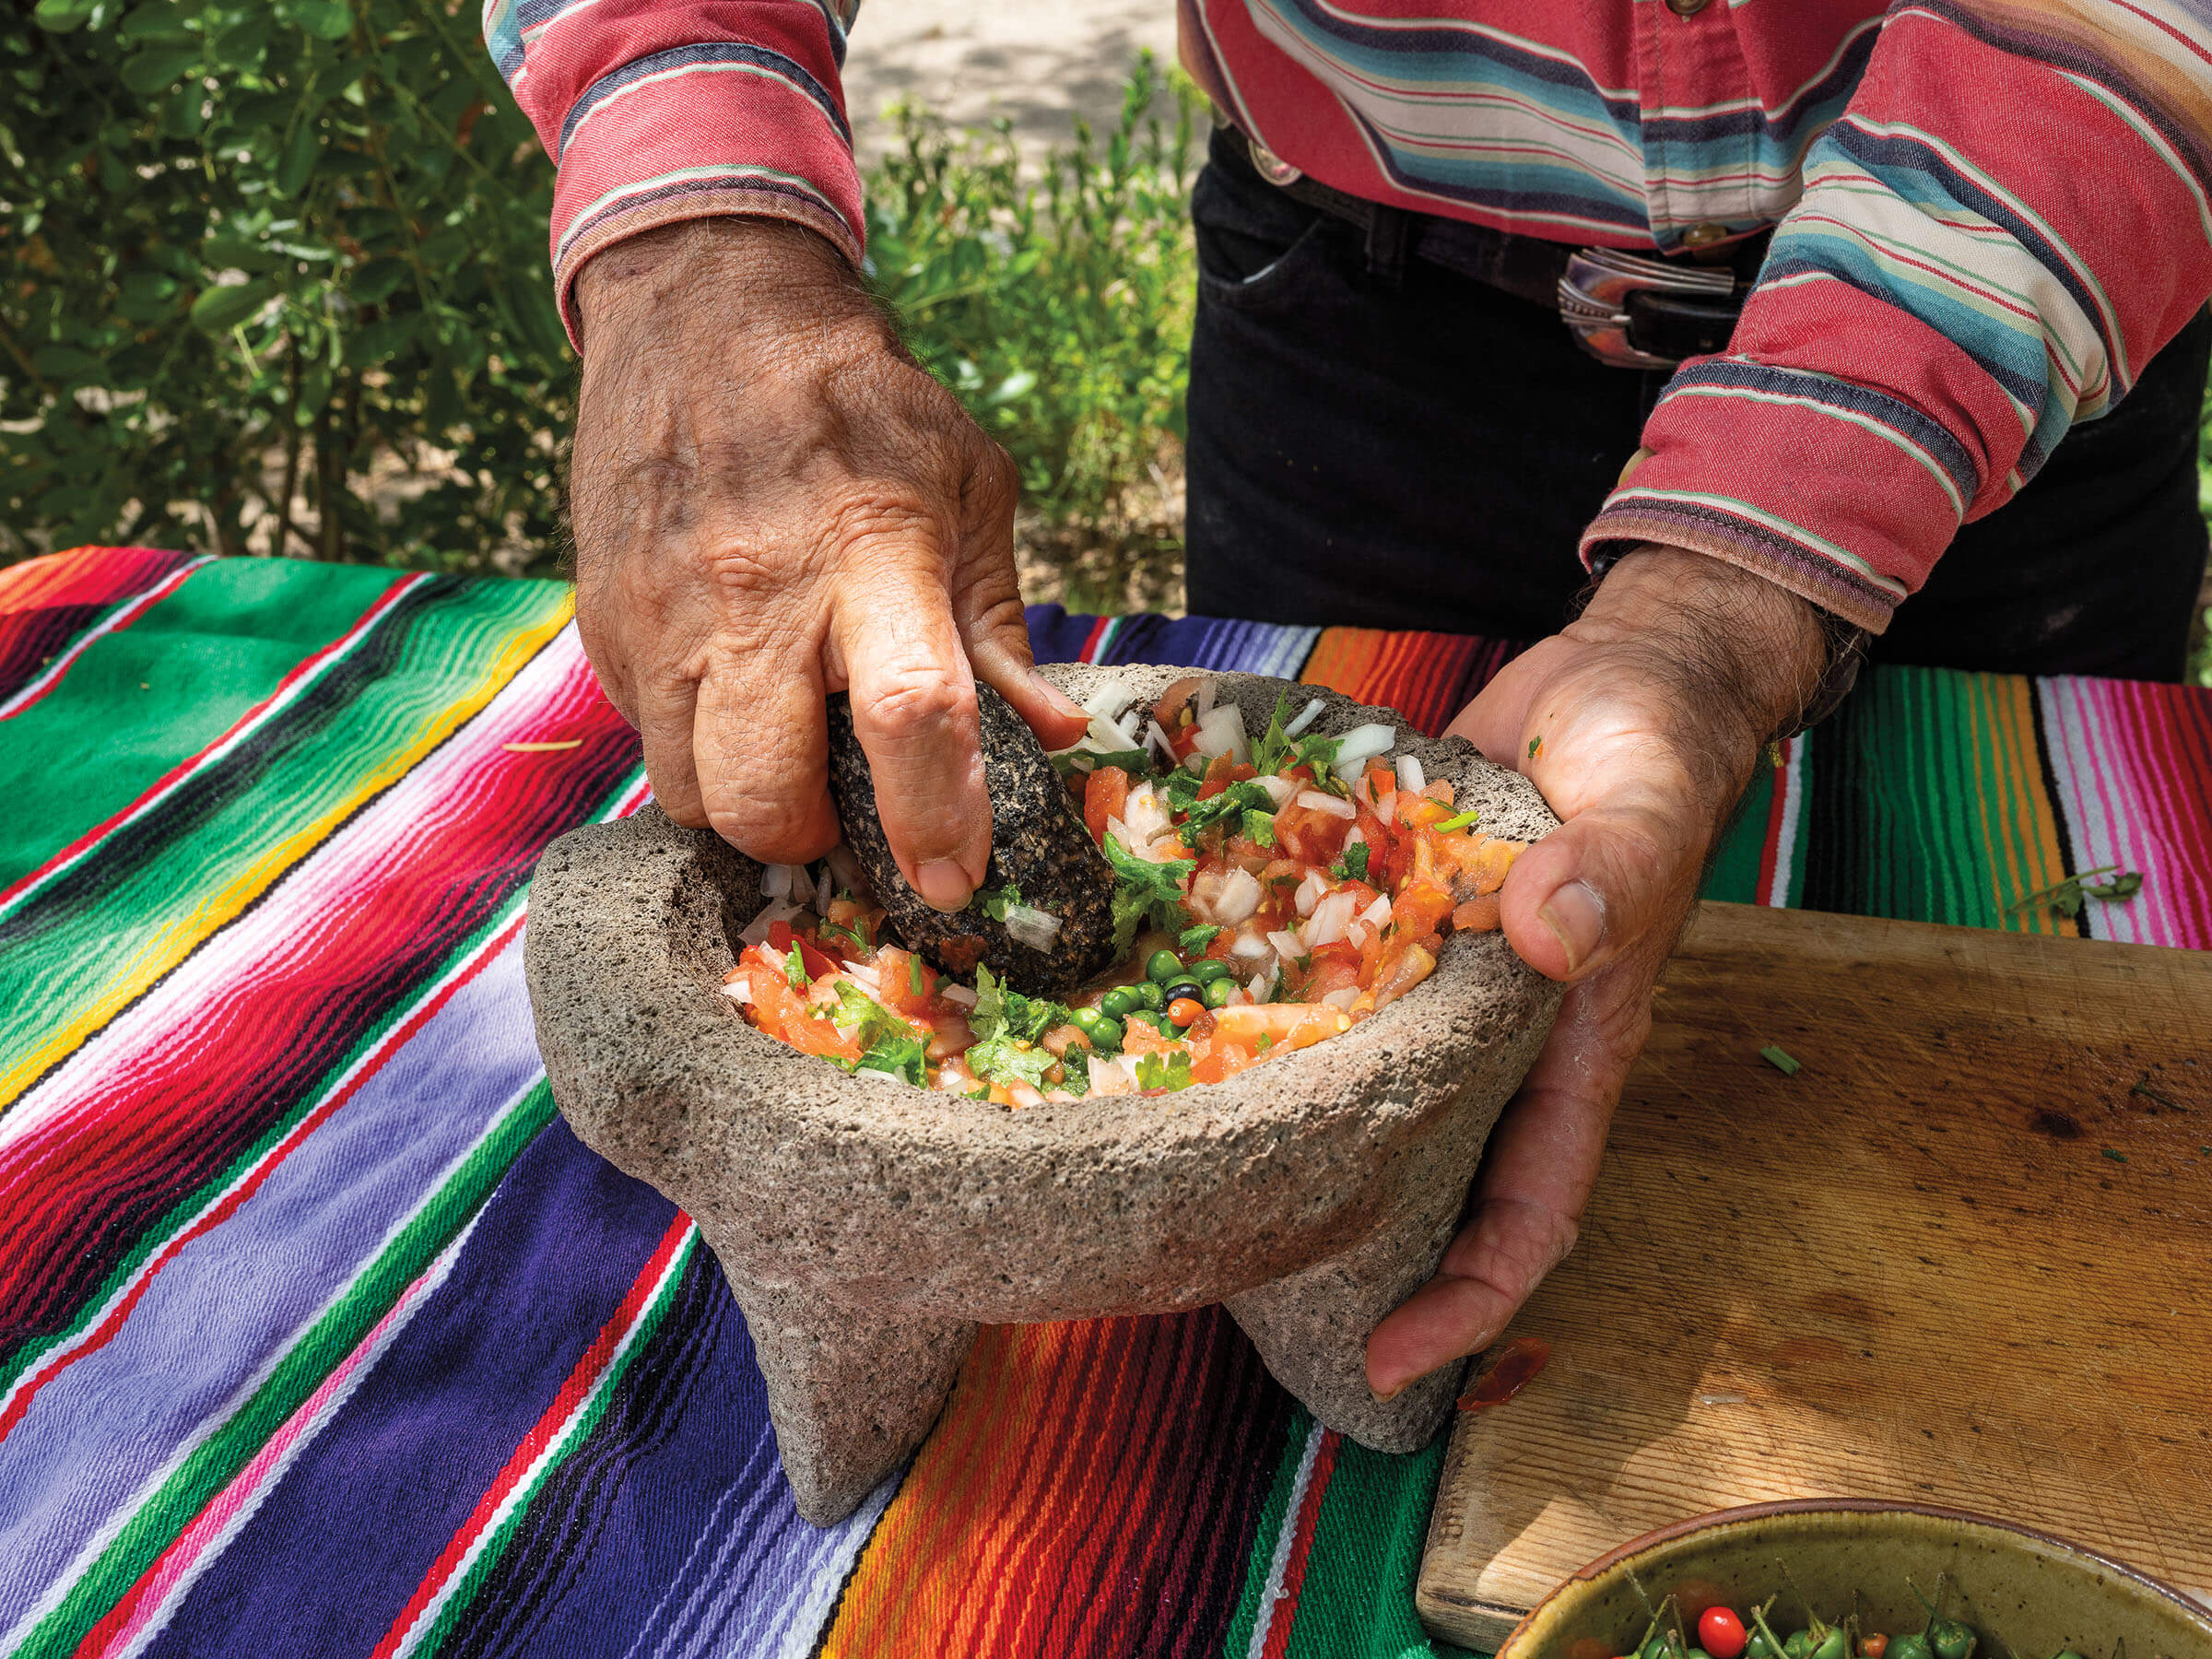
(1419, 811)
(1291, 1025)
(1478, 914)
(817, 960)
(1105, 796)
(1420, 907)
(782, 1012)
(1140, 1038)
(1475, 865)
(1218, 776)
(896, 973)
(1403, 966)
(1182, 741)
(1308, 833)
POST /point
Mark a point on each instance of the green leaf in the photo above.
(302, 151)
(994, 902)
(1011, 1060)
(221, 307)
(1267, 754)
(376, 281)
(1260, 827)
(62, 16)
(1001, 1011)
(372, 343)
(794, 970)
(329, 20)
(1196, 939)
(864, 1019)
(156, 69)
(1171, 1070)
(1466, 820)
(62, 362)
(1351, 866)
(159, 20)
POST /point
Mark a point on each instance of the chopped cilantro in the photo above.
(2115, 1154)
(1265, 1043)
(914, 982)
(859, 937)
(1011, 1060)
(1136, 762)
(794, 970)
(1536, 747)
(1144, 890)
(1779, 1061)
(1250, 796)
(1267, 754)
(1191, 941)
(864, 1019)
(1170, 1070)
(1002, 1012)
(1319, 753)
(1352, 864)
(1466, 820)
(994, 902)
(1260, 827)
(1181, 788)
(897, 1056)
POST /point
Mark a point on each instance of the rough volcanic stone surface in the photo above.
(1038, 843)
(867, 1227)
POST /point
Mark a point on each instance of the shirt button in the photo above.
(1705, 235)
(1687, 8)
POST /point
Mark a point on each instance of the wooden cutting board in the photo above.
(1963, 1256)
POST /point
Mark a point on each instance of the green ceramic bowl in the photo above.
(2034, 1594)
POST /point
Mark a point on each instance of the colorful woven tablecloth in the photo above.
(319, 1333)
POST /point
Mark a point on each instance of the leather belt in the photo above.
(1633, 310)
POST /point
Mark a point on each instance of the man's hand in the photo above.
(1641, 723)
(773, 502)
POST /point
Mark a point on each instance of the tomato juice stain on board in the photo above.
(1514, 1368)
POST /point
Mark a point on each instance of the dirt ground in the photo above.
(973, 60)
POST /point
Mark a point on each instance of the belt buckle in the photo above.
(1594, 299)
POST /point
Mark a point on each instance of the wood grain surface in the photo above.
(1963, 1256)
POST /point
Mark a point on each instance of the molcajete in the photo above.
(867, 1227)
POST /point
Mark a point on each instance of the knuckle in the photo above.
(914, 699)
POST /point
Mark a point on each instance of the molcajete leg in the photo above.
(1312, 1328)
(850, 1392)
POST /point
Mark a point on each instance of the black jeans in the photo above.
(1417, 450)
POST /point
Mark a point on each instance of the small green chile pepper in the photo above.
(1757, 1646)
(1835, 1645)
(1164, 966)
(1948, 1639)
(1148, 996)
(1912, 1646)
(1119, 1003)
(1206, 969)
(1797, 1644)
(1218, 992)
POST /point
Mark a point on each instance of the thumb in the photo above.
(1621, 867)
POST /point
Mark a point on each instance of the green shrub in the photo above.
(252, 241)
(245, 243)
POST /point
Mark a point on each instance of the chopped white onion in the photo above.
(1342, 1001)
(1259, 986)
(1203, 699)
(1358, 933)
(1306, 717)
(775, 880)
(1250, 944)
(1410, 775)
(1387, 807)
(1021, 1094)
(1144, 817)
(1221, 731)
(1108, 697)
(1287, 945)
(1155, 738)
(1331, 917)
(961, 995)
(1279, 790)
(739, 990)
(1026, 925)
(1238, 898)
(773, 912)
(865, 977)
(1309, 892)
(1361, 744)
(1335, 805)
(1378, 914)
(1130, 729)
(845, 869)
(1357, 837)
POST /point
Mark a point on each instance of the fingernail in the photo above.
(1057, 698)
(1389, 1393)
(943, 884)
(1577, 915)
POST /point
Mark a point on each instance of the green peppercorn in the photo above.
(1218, 992)
(1206, 969)
(1148, 996)
(1164, 966)
(1120, 1002)
(1103, 1031)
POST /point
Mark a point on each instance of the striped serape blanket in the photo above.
(321, 1335)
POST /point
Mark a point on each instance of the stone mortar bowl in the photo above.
(868, 1227)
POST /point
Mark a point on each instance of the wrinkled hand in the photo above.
(1646, 716)
(772, 502)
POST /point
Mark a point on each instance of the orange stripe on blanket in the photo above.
(1426, 676)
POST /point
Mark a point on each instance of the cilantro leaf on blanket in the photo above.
(1145, 891)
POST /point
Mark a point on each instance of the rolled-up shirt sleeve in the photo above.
(655, 111)
(2005, 224)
